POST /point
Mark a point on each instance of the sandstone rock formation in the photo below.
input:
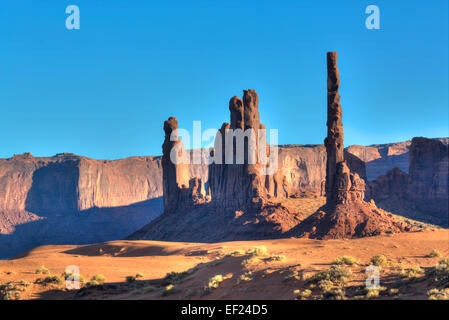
(179, 190)
(423, 193)
(238, 184)
(346, 214)
(342, 186)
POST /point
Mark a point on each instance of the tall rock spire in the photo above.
(334, 139)
(342, 186)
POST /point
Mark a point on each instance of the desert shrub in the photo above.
(337, 274)
(440, 273)
(438, 294)
(65, 275)
(130, 279)
(412, 272)
(42, 270)
(345, 260)
(293, 274)
(238, 252)
(144, 290)
(97, 280)
(25, 283)
(258, 251)
(302, 295)
(215, 281)
(175, 277)
(170, 289)
(373, 292)
(249, 261)
(334, 294)
(139, 275)
(245, 277)
(12, 291)
(278, 257)
(50, 280)
(393, 291)
(434, 254)
(380, 260)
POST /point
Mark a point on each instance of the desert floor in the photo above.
(287, 266)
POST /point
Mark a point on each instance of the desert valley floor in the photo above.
(240, 272)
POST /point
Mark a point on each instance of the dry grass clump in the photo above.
(215, 281)
(42, 270)
(178, 277)
(247, 276)
(130, 279)
(374, 292)
(73, 276)
(278, 257)
(434, 254)
(380, 260)
(258, 251)
(139, 275)
(346, 260)
(238, 252)
(330, 282)
(302, 295)
(336, 274)
(438, 294)
(50, 280)
(412, 272)
(96, 280)
(13, 291)
(170, 289)
(249, 261)
(440, 273)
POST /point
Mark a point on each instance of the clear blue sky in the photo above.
(104, 91)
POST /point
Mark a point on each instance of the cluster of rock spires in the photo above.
(248, 204)
(231, 185)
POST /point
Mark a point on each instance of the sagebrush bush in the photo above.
(440, 273)
(258, 251)
(238, 252)
(380, 260)
(438, 294)
(412, 272)
(97, 280)
(42, 270)
(337, 274)
(434, 254)
(346, 260)
(303, 295)
(215, 281)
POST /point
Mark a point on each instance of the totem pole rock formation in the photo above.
(346, 214)
(342, 186)
(240, 184)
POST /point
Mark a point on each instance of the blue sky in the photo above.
(104, 91)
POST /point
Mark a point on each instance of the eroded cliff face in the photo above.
(423, 193)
